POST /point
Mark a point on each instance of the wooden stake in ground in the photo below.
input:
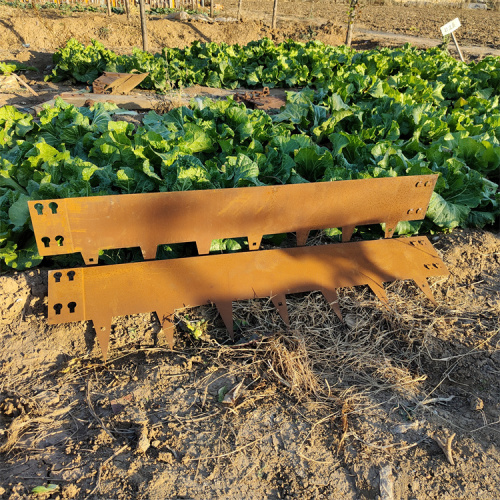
(108, 4)
(448, 29)
(212, 8)
(127, 9)
(238, 16)
(143, 26)
(24, 84)
(458, 48)
(353, 4)
(275, 14)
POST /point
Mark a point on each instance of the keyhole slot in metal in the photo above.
(72, 307)
(53, 206)
(39, 208)
(57, 277)
(57, 308)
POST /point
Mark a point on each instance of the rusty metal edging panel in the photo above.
(101, 293)
(88, 225)
(118, 83)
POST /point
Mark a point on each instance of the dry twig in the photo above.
(446, 446)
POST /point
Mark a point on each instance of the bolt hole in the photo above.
(57, 308)
(71, 307)
(60, 240)
(103, 328)
(46, 241)
(39, 208)
(254, 244)
(57, 277)
(91, 260)
(71, 275)
(280, 303)
(53, 206)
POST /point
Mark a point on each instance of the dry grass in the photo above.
(375, 349)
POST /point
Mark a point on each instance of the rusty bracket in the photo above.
(101, 293)
(117, 83)
(260, 99)
(88, 225)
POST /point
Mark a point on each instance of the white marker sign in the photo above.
(450, 27)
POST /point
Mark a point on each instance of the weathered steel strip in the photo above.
(117, 83)
(101, 293)
(88, 225)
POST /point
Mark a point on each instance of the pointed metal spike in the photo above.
(226, 313)
(424, 286)
(149, 253)
(254, 241)
(379, 291)
(390, 228)
(103, 331)
(333, 299)
(347, 233)
(203, 246)
(302, 235)
(90, 259)
(279, 302)
(167, 326)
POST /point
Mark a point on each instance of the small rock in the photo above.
(143, 443)
(226, 20)
(166, 457)
(156, 443)
(179, 391)
(476, 403)
(179, 16)
(402, 428)
(2, 490)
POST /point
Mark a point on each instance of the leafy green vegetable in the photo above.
(8, 68)
(377, 113)
(50, 488)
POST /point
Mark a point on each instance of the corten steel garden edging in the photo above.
(101, 293)
(88, 225)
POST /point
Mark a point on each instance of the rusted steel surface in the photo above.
(117, 83)
(260, 99)
(101, 293)
(88, 225)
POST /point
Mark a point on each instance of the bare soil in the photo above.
(325, 409)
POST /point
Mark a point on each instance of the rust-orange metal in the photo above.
(88, 225)
(260, 99)
(117, 83)
(101, 293)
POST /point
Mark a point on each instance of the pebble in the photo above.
(476, 403)
(143, 442)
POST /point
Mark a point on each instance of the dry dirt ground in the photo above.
(324, 409)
